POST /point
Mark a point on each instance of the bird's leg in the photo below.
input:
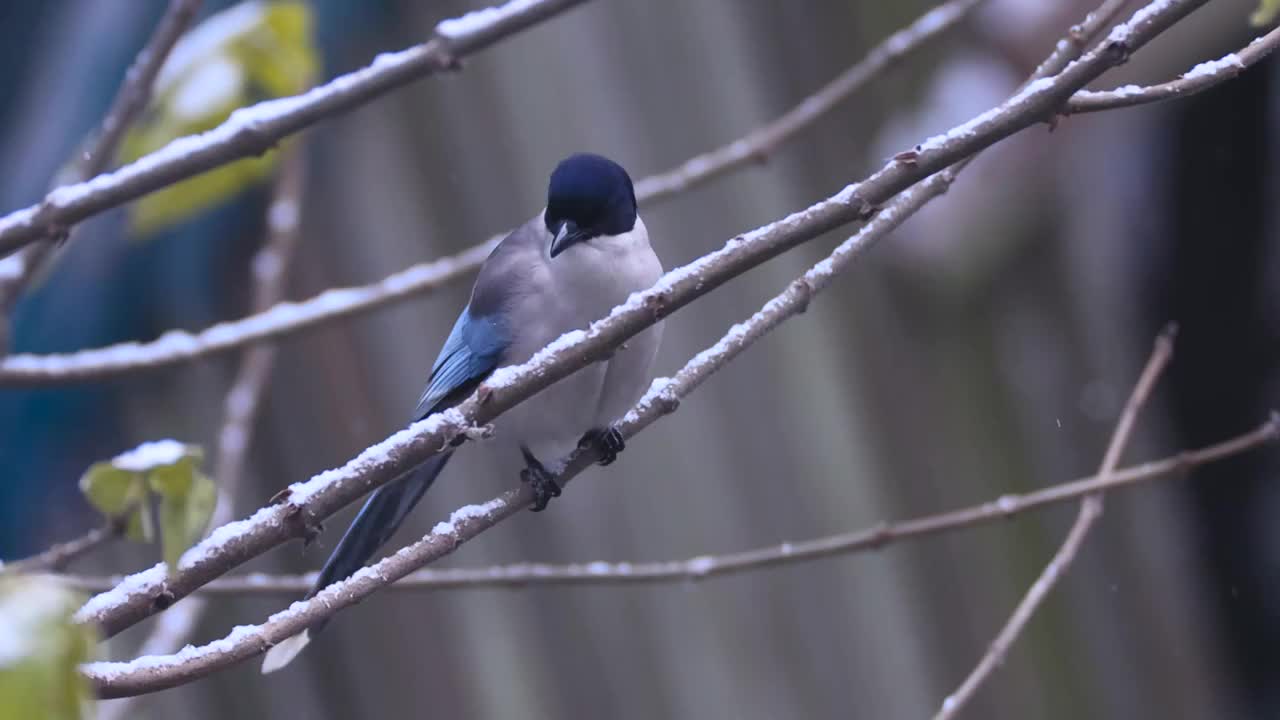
(540, 479)
(607, 441)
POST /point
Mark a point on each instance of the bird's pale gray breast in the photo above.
(541, 298)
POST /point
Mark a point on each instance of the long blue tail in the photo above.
(377, 521)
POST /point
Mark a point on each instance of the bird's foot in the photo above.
(540, 480)
(607, 441)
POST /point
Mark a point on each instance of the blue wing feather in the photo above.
(473, 350)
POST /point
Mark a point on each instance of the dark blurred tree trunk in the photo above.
(1221, 258)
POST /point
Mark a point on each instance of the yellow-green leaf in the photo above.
(167, 469)
(1266, 12)
(249, 52)
(110, 489)
(115, 491)
(187, 499)
(41, 650)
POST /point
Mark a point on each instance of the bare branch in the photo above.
(303, 504)
(759, 144)
(181, 346)
(130, 99)
(58, 556)
(139, 80)
(1090, 511)
(603, 572)
(1197, 79)
(253, 130)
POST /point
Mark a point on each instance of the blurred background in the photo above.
(983, 349)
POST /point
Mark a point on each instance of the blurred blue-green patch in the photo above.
(250, 52)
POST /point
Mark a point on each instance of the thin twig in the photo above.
(58, 556)
(253, 130)
(303, 504)
(757, 145)
(1090, 511)
(287, 318)
(613, 573)
(139, 81)
(130, 99)
(1079, 37)
(1199, 78)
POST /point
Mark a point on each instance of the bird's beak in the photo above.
(565, 236)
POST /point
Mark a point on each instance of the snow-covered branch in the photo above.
(147, 674)
(281, 319)
(1197, 79)
(335, 304)
(303, 504)
(253, 130)
(606, 572)
(1090, 511)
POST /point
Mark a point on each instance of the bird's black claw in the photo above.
(608, 442)
(542, 482)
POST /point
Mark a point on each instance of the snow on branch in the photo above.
(606, 572)
(253, 130)
(283, 318)
(150, 673)
(286, 318)
(303, 504)
(1197, 79)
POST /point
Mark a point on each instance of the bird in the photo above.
(564, 268)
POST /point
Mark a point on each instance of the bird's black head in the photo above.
(588, 196)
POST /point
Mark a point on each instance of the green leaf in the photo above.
(1266, 13)
(249, 52)
(187, 500)
(41, 650)
(155, 483)
(115, 491)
